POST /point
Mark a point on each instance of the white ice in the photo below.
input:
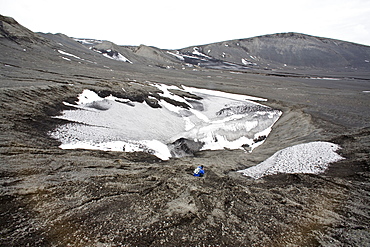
(198, 53)
(324, 78)
(161, 152)
(246, 62)
(88, 41)
(202, 59)
(313, 157)
(222, 94)
(116, 124)
(118, 57)
(176, 55)
(68, 54)
(195, 52)
(82, 41)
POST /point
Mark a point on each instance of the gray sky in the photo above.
(175, 24)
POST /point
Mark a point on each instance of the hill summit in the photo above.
(293, 50)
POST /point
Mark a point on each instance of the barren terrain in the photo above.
(55, 197)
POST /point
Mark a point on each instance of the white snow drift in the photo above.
(313, 157)
(219, 120)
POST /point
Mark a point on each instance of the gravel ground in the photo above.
(54, 197)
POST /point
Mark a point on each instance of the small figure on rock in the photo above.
(199, 171)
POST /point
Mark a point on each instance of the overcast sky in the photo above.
(175, 24)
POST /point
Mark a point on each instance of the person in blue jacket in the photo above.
(199, 171)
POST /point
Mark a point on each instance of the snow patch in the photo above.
(68, 54)
(88, 41)
(313, 157)
(196, 52)
(176, 55)
(246, 62)
(324, 78)
(117, 57)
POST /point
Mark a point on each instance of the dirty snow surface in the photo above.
(313, 157)
(218, 120)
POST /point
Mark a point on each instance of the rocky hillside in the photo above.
(12, 30)
(289, 51)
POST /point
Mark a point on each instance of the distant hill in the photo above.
(293, 50)
(279, 52)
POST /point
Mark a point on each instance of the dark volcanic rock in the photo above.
(242, 109)
(153, 102)
(184, 147)
(102, 105)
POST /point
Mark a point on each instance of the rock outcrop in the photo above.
(12, 30)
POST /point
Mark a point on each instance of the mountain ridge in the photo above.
(297, 35)
(276, 51)
(281, 51)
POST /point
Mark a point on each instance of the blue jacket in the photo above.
(199, 172)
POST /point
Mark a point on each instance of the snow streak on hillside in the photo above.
(218, 120)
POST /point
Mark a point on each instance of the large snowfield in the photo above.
(218, 120)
